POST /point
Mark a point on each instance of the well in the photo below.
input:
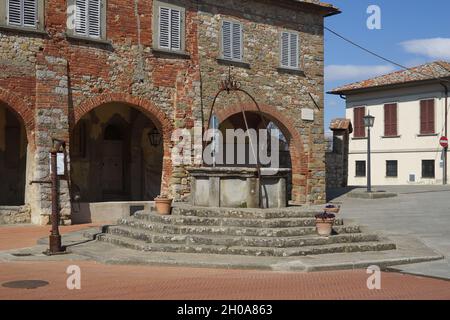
(235, 187)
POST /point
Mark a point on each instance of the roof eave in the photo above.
(385, 87)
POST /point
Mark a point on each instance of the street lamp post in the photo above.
(368, 123)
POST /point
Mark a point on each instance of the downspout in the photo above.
(445, 134)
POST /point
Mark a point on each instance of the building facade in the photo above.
(108, 75)
(410, 108)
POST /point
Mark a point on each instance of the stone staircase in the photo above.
(253, 232)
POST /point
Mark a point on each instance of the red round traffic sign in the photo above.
(444, 142)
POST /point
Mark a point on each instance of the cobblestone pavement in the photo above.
(143, 282)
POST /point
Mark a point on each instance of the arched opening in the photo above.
(266, 123)
(13, 157)
(113, 158)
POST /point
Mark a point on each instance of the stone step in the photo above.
(291, 212)
(229, 230)
(240, 250)
(230, 241)
(231, 222)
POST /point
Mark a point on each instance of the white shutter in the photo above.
(284, 49)
(237, 41)
(289, 50)
(226, 40)
(15, 12)
(164, 28)
(293, 63)
(175, 29)
(94, 16)
(81, 17)
(29, 13)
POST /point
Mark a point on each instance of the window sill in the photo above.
(359, 138)
(87, 39)
(427, 135)
(298, 72)
(169, 53)
(390, 137)
(356, 177)
(239, 64)
(387, 177)
(24, 30)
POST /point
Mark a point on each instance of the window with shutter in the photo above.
(390, 120)
(23, 13)
(427, 125)
(358, 120)
(289, 50)
(232, 38)
(170, 29)
(88, 16)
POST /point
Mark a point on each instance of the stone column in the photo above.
(52, 121)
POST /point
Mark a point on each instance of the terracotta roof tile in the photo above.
(429, 71)
(341, 124)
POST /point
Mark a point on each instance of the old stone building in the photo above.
(107, 76)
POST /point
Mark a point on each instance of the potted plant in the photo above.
(324, 223)
(331, 208)
(163, 204)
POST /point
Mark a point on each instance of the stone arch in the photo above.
(299, 158)
(21, 109)
(155, 114)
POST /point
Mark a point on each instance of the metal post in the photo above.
(446, 134)
(369, 171)
(55, 237)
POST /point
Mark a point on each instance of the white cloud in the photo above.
(435, 48)
(352, 72)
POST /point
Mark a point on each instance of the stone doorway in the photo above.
(13, 158)
(113, 160)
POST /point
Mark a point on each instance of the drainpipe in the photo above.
(446, 134)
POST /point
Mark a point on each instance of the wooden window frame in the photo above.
(103, 23)
(298, 53)
(40, 23)
(425, 127)
(156, 29)
(222, 57)
(356, 133)
(388, 130)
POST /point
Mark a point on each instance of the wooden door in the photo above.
(112, 169)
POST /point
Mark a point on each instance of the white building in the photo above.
(409, 110)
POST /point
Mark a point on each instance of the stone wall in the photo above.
(337, 154)
(51, 81)
(281, 93)
(15, 215)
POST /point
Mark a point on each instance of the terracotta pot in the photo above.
(324, 227)
(163, 206)
(332, 210)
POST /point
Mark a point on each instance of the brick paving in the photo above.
(23, 236)
(149, 282)
(144, 282)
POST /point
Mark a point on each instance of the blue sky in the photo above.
(412, 33)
